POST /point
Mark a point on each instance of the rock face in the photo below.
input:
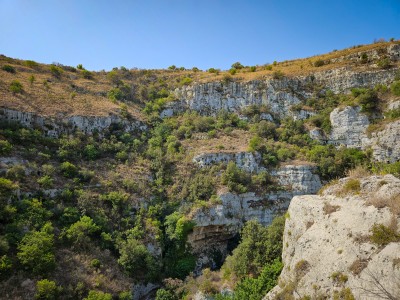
(327, 248)
(210, 98)
(385, 144)
(348, 127)
(248, 161)
(279, 95)
(56, 126)
(343, 79)
(218, 224)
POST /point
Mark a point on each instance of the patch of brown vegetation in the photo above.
(358, 266)
(75, 268)
(236, 141)
(301, 268)
(392, 202)
(329, 209)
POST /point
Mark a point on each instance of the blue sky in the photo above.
(151, 34)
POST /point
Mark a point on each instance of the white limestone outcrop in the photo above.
(56, 126)
(248, 161)
(348, 127)
(326, 245)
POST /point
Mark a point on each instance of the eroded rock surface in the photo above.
(349, 127)
(56, 126)
(327, 248)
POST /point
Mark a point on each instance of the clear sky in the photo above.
(151, 34)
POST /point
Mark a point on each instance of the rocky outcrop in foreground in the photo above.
(330, 247)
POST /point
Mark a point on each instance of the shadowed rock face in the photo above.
(326, 244)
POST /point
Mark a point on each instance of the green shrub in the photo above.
(87, 74)
(393, 114)
(36, 250)
(80, 67)
(253, 68)
(31, 64)
(46, 290)
(237, 65)
(8, 68)
(163, 294)
(260, 246)
(68, 169)
(227, 78)
(232, 71)
(95, 263)
(127, 295)
(212, 70)
(5, 147)
(80, 232)
(257, 288)
(7, 187)
(98, 295)
(278, 74)
(136, 259)
(351, 186)
(319, 63)
(56, 71)
(31, 79)
(45, 181)
(91, 152)
(384, 63)
(5, 266)
(364, 58)
(235, 179)
(186, 81)
(383, 235)
(395, 88)
(16, 87)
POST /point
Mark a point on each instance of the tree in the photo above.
(136, 259)
(98, 295)
(79, 233)
(237, 65)
(46, 290)
(259, 246)
(36, 250)
(257, 288)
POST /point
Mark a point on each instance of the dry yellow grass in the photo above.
(236, 141)
(61, 96)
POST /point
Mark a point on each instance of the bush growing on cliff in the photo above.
(16, 87)
(8, 68)
(136, 259)
(5, 147)
(257, 288)
(395, 88)
(235, 179)
(56, 71)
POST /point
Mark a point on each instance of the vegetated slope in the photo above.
(100, 193)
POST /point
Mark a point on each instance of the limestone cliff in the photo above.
(218, 224)
(328, 248)
(58, 125)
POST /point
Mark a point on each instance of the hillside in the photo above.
(129, 184)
